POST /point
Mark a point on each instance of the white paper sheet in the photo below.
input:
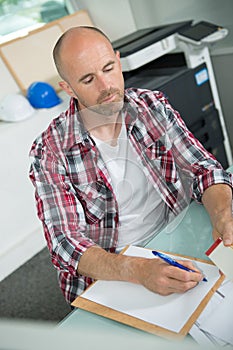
(221, 321)
(201, 337)
(171, 312)
(226, 288)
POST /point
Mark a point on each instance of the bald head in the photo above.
(74, 36)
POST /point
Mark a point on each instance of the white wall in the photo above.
(155, 12)
(114, 17)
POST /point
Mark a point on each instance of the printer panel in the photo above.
(209, 132)
(180, 87)
(190, 98)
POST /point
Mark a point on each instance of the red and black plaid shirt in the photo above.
(74, 195)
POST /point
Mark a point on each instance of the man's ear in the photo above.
(118, 56)
(117, 53)
(66, 87)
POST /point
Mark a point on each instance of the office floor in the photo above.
(32, 292)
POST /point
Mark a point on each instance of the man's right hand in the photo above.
(162, 278)
(154, 274)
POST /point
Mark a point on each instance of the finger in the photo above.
(197, 276)
(177, 286)
(227, 239)
(184, 276)
(189, 264)
(226, 236)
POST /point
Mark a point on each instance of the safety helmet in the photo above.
(15, 107)
(42, 95)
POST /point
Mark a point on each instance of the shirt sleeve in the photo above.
(190, 155)
(59, 210)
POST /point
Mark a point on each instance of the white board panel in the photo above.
(7, 83)
(29, 59)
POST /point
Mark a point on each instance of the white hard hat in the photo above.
(14, 108)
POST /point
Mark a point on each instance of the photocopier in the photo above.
(149, 63)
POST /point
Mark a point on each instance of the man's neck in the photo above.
(105, 128)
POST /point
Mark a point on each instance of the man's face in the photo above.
(94, 74)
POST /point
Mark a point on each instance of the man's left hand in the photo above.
(224, 228)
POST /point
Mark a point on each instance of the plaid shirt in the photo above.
(73, 189)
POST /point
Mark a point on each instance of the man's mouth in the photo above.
(111, 95)
(109, 98)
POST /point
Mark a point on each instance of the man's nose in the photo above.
(103, 83)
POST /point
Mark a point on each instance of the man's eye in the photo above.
(108, 68)
(87, 80)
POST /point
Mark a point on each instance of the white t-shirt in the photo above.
(141, 211)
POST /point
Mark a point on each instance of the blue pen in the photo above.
(173, 262)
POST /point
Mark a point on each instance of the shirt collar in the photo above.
(75, 131)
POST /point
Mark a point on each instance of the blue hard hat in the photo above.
(42, 95)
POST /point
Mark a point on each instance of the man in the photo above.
(110, 171)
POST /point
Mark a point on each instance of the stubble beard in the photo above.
(108, 108)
